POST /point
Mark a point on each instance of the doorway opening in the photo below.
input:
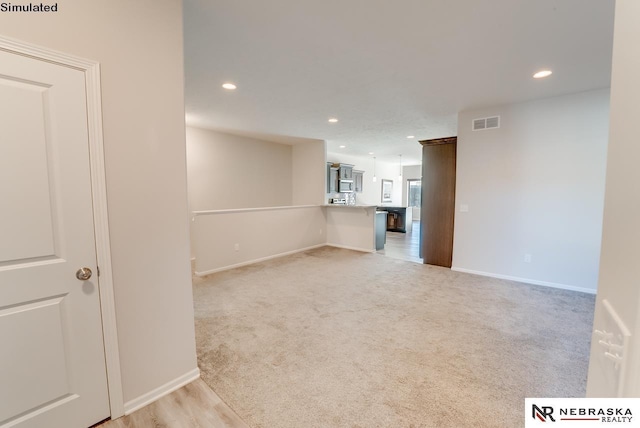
(406, 245)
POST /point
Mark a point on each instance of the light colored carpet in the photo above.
(336, 338)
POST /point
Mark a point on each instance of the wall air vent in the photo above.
(479, 124)
(486, 123)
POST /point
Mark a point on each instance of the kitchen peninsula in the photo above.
(351, 226)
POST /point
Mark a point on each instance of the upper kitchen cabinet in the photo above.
(346, 171)
(358, 179)
(342, 178)
(332, 178)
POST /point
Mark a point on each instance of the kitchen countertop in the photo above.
(349, 206)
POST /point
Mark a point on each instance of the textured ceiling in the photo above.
(386, 69)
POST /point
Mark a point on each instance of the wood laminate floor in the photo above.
(192, 406)
(404, 246)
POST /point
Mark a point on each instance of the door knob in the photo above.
(83, 273)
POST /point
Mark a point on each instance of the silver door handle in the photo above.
(83, 274)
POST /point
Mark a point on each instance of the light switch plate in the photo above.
(464, 208)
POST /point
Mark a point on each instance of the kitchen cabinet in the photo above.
(346, 171)
(332, 178)
(358, 179)
(340, 178)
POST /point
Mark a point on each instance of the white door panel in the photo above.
(26, 221)
(52, 367)
(28, 365)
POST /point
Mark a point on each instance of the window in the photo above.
(414, 189)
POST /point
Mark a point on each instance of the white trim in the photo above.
(161, 391)
(633, 366)
(38, 52)
(527, 280)
(91, 70)
(261, 259)
(626, 335)
(245, 210)
(103, 243)
(346, 247)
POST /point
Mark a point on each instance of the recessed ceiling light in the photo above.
(542, 73)
(342, 147)
(411, 136)
(333, 120)
(229, 86)
(370, 153)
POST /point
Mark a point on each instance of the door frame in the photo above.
(91, 70)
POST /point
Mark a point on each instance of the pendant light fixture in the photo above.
(400, 175)
(374, 169)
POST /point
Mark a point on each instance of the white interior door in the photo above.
(52, 365)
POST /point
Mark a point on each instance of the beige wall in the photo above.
(228, 171)
(534, 186)
(309, 173)
(224, 240)
(139, 47)
(619, 266)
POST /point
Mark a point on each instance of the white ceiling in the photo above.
(385, 69)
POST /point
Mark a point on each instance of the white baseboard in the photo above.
(346, 247)
(262, 259)
(527, 281)
(161, 391)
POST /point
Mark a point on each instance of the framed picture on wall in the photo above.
(387, 190)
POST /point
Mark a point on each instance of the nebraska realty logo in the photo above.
(28, 7)
(582, 412)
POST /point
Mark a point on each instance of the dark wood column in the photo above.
(438, 200)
